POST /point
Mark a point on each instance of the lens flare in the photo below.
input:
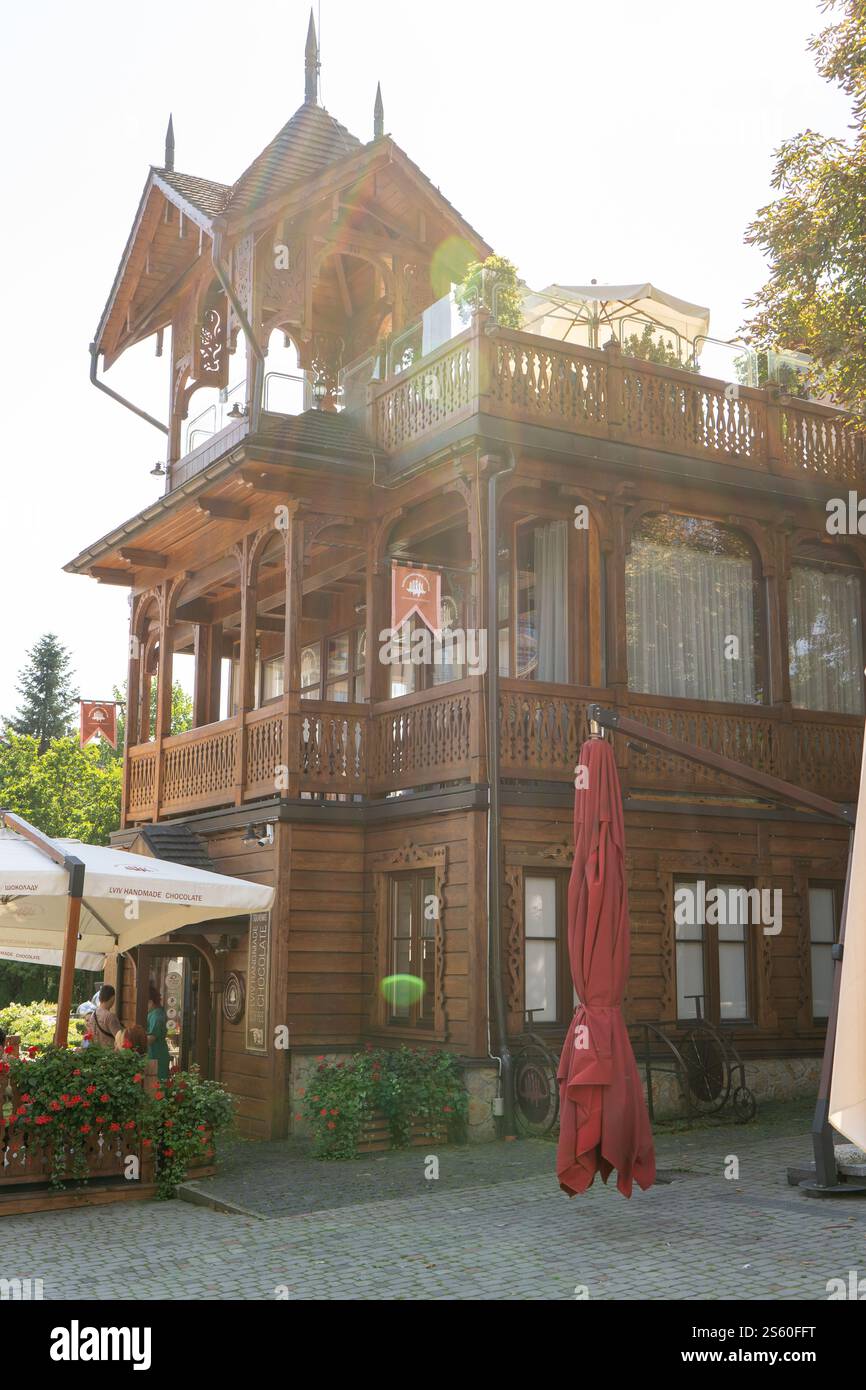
(402, 990)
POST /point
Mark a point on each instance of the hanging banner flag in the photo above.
(98, 717)
(416, 591)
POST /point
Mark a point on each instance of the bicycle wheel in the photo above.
(536, 1090)
(708, 1077)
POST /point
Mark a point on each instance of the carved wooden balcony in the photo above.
(436, 738)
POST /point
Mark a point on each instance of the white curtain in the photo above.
(825, 640)
(550, 561)
(683, 608)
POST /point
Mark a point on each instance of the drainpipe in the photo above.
(224, 278)
(115, 396)
(494, 850)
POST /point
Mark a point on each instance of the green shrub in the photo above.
(34, 1023)
(406, 1083)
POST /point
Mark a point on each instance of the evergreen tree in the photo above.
(48, 694)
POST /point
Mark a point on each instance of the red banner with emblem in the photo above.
(98, 717)
(416, 591)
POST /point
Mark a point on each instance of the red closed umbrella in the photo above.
(604, 1123)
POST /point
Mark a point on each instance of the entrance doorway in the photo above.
(182, 978)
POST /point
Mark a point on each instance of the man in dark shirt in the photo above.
(104, 1021)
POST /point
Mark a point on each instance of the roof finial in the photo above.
(168, 162)
(378, 114)
(311, 64)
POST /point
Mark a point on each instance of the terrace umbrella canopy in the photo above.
(60, 895)
(589, 314)
(604, 1123)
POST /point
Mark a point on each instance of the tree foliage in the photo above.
(493, 282)
(48, 695)
(814, 232)
(65, 791)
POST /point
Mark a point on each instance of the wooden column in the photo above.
(131, 720)
(163, 693)
(294, 572)
(378, 614)
(208, 650)
(247, 668)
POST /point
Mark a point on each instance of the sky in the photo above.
(623, 141)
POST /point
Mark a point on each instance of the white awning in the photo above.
(848, 1084)
(128, 899)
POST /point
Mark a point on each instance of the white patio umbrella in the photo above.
(847, 1104)
(589, 314)
(79, 899)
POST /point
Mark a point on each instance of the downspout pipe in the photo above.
(115, 395)
(222, 273)
(494, 833)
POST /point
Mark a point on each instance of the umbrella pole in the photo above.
(75, 869)
(67, 969)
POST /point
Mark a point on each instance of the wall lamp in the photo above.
(259, 834)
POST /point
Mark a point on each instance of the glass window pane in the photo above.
(540, 907)
(736, 909)
(822, 981)
(825, 639)
(690, 976)
(688, 904)
(401, 940)
(540, 991)
(690, 588)
(310, 666)
(338, 690)
(360, 690)
(732, 981)
(822, 914)
(360, 648)
(338, 655)
(272, 678)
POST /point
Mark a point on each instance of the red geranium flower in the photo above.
(160, 1095)
(130, 1124)
(323, 1112)
(137, 1076)
(146, 1143)
(114, 1127)
(32, 1051)
(43, 1119)
(169, 1124)
(104, 1097)
(26, 1095)
(331, 1124)
(77, 1071)
(85, 1129)
(169, 1153)
(335, 1112)
(9, 1050)
(100, 1119)
(90, 1090)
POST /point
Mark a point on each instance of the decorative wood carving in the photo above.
(514, 939)
(211, 365)
(285, 289)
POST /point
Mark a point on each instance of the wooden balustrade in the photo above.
(437, 736)
(540, 381)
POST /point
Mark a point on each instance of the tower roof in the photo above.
(308, 142)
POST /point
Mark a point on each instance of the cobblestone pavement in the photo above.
(494, 1226)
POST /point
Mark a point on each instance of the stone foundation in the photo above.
(783, 1078)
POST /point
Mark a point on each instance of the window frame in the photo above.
(837, 887)
(431, 860)
(760, 609)
(564, 989)
(711, 1006)
(814, 556)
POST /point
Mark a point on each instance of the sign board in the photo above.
(258, 982)
(98, 717)
(416, 591)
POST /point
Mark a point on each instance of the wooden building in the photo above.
(642, 516)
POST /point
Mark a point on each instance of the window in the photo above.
(824, 918)
(413, 917)
(272, 678)
(693, 612)
(825, 638)
(712, 950)
(541, 601)
(343, 657)
(548, 991)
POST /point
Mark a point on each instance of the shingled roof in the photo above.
(308, 142)
(319, 432)
(177, 843)
(208, 196)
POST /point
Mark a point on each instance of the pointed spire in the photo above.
(311, 64)
(378, 114)
(168, 162)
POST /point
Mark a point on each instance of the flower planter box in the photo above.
(376, 1135)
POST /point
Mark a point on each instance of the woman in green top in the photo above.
(157, 1047)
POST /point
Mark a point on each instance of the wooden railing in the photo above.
(604, 393)
(437, 737)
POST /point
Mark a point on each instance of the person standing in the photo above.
(157, 1045)
(105, 1024)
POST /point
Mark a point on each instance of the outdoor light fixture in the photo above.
(259, 834)
(225, 944)
(158, 471)
(320, 391)
(237, 412)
